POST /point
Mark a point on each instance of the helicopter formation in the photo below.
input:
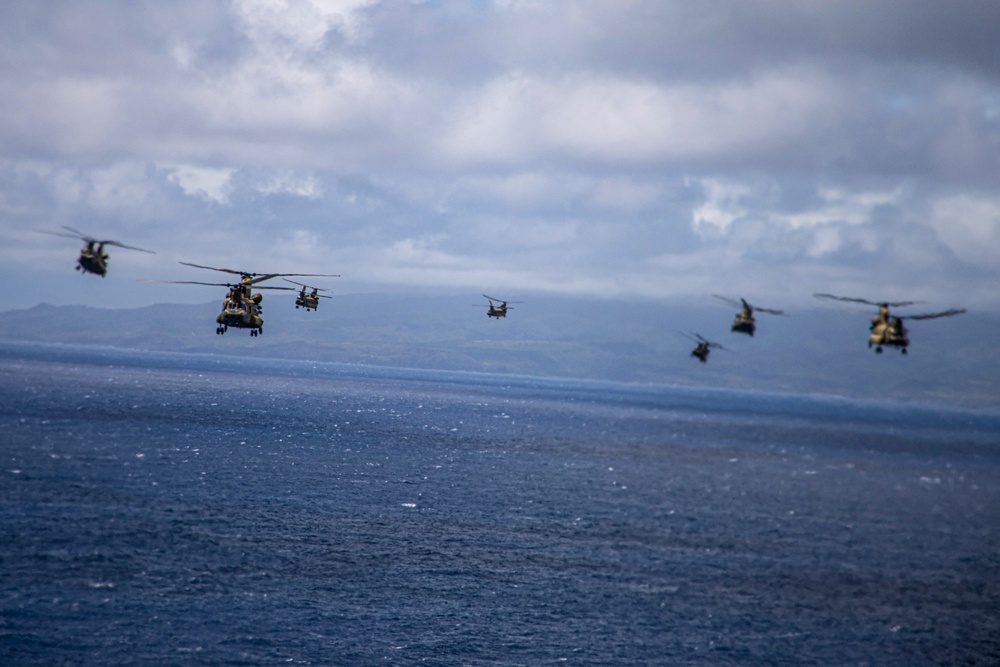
(241, 306)
(885, 330)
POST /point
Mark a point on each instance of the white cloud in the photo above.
(970, 226)
(212, 183)
(289, 25)
(724, 203)
(839, 206)
(522, 116)
(286, 182)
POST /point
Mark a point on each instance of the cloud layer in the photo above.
(644, 149)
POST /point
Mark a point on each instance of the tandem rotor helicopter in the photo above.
(886, 329)
(494, 310)
(241, 306)
(308, 300)
(92, 257)
(703, 347)
(744, 322)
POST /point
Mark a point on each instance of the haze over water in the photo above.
(199, 510)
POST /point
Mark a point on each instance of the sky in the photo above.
(620, 149)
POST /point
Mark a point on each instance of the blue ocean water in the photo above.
(199, 510)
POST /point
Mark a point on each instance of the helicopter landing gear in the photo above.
(903, 350)
(878, 350)
(256, 332)
(221, 330)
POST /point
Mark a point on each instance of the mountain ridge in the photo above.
(815, 351)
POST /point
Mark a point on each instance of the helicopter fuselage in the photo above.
(701, 351)
(241, 309)
(93, 260)
(497, 311)
(744, 322)
(307, 301)
(888, 331)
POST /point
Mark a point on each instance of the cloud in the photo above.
(211, 183)
(520, 117)
(969, 226)
(643, 148)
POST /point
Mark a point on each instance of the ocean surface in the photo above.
(165, 509)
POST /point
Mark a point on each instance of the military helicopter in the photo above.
(92, 257)
(241, 307)
(744, 322)
(886, 329)
(308, 300)
(496, 311)
(703, 347)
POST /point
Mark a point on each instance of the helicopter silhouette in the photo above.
(92, 257)
(745, 322)
(886, 329)
(703, 347)
(308, 300)
(496, 311)
(241, 306)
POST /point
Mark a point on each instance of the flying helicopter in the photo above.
(703, 346)
(744, 322)
(241, 306)
(92, 257)
(496, 311)
(887, 329)
(308, 300)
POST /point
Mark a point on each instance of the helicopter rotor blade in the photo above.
(834, 297)
(308, 275)
(731, 302)
(933, 316)
(260, 279)
(321, 289)
(770, 310)
(67, 235)
(891, 304)
(212, 268)
(186, 282)
(74, 233)
(122, 245)
(80, 235)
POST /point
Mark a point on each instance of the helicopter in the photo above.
(703, 347)
(241, 306)
(889, 330)
(308, 300)
(744, 322)
(92, 257)
(496, 311)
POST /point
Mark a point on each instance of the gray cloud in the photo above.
(649, 148)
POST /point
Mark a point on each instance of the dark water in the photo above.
(207, 511)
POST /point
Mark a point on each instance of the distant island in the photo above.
(821, 351)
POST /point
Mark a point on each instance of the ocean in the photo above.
(170, 509)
